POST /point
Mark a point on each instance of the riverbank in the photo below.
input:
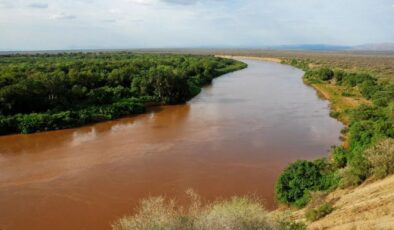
(366, 206)
(68, 90)
(351, 96)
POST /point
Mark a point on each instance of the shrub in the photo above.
(317, 199)
(347, 94)
(32, 122)
(154, 214)
(234, 214)
(302, 177)
(285, 222)
(377, 161)
(381, 158)
(334, 114)
(7, 125)
(339, 157)
(361, 135)
(356, 172)
(318, 213)
(338, 76)
(291, 225)
(295, 181)
(326, 74)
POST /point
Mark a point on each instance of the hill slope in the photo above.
(369, 206)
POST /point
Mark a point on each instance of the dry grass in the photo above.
(370, 206)
(237, 213)
(338, 102)
(381, 158)
(366, 207)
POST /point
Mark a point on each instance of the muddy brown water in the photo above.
(233, 139)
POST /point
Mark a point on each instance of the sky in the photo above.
(126, 24)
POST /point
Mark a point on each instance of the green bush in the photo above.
(339, 157)
(356, 172)
(334, 114)
(326, 74)
(339, 76)
(301, 177)
(318, 213)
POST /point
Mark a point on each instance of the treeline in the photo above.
(46, 92)
(370, 133)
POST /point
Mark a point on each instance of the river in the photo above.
(234, 138)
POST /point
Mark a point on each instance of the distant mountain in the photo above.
(325, 47)
(313, 47)
(375, 47)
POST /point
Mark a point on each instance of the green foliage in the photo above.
(44, 92)
(36, 122)
(320, 75)
(325, 74)
(302, 64)
(318, 213)
(301, 177)
(356, 172)
(339, 75)
(376, 162)
(368, 125)
(334, 114)
(339, 157)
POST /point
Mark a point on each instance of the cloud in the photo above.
(181, 2)
(63, 16)
(192, 23)
(6, 4)
(109, 20)
(189, 2)
(38, 5)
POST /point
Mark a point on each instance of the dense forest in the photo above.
(368, 151)
(46, 92)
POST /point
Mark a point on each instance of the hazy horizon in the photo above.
(135, 24)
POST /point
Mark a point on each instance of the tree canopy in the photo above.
(42, 92)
